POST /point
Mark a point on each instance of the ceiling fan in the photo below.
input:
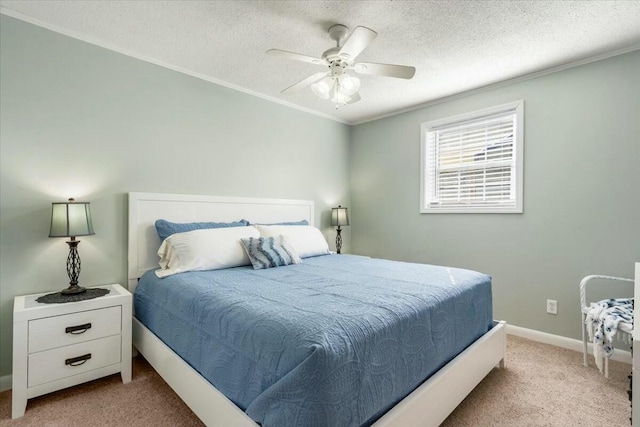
(336, 84)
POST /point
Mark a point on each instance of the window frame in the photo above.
(516, 107)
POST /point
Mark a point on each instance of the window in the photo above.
(473, 162)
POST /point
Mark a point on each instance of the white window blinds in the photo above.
(471, 163)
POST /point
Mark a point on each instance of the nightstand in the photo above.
(61, 345)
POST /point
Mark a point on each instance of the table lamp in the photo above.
(71, 219)
(339, 217)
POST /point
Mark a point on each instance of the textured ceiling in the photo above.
(455, 45)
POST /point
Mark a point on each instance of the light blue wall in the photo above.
(581, 193)
(81, 121)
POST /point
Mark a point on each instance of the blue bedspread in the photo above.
(334, 341)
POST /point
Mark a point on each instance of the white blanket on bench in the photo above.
(604, 319)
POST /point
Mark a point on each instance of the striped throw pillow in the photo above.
(267, 252)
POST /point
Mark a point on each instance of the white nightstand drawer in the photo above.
(51, 365)
(58, 331)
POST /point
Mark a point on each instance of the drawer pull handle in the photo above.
(77, 330)
(77, 361)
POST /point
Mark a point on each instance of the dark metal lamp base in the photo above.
(338, 240)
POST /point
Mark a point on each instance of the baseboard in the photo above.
(5, 383)
(564, 342)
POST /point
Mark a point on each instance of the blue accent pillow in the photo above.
(301, 222)
(268, 252)
(165, 228)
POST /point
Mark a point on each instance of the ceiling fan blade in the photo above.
(354, 98)
(304, 83)
(295, 56)
(390, 70)
(357, 42)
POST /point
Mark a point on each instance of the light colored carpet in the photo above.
(541, 386)
(544, 385)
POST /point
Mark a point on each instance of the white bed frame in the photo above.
(428, 405)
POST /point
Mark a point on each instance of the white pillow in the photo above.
(207, 249)
(306, 240)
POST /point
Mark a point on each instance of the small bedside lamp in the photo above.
(71, 219)
(339, 217)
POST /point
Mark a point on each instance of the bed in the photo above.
(380, 397)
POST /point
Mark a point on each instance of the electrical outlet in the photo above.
(552, 306)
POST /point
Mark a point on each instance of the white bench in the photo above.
(623, 327)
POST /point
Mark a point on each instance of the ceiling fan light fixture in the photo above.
(323, 88)
(349, 85)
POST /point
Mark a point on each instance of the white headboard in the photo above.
(146, 208)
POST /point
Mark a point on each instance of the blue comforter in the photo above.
(334, 341)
